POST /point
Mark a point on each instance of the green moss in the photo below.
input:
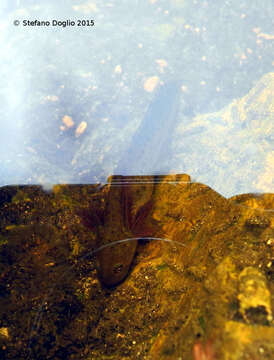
(11, 227)
(64, 197)
(202, 322)
(20, 196)
(162, 266)
(3, 240)
(80, 295)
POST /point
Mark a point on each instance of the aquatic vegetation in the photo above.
(34, 332)
(188, 275)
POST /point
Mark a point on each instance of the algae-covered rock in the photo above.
(231, 149)
(201, 286)
(254, 296)
(246, 341)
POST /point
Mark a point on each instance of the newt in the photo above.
(126, 213)
(127, 204)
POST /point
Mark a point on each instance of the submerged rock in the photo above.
(202, 287)
(254, 296)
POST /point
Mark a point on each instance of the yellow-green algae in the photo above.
(180, 294)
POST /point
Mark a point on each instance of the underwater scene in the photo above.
(137, 180)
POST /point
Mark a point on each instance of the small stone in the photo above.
(50, 264)
(151, 83)
(162, 64)
(53, 98)
(4, 332)
(67, 121)
(118, 69)
(81, 128)
(254, 296)
(257, 222)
